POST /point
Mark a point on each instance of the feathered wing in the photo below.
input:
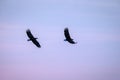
(29, 34)
(66, 33)
(36, 43)
(71, 41)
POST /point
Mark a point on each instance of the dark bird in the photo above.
(32, 38)
(67, 36)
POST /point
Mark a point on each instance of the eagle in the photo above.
(67, 36)
(32, 38)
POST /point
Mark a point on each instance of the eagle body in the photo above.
(67, 36)
(32, 38)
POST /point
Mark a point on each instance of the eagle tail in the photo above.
(28, 40)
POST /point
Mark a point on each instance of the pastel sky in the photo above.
(93, 24)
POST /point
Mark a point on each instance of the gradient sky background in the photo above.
(94, 24)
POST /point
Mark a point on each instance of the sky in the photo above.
(93, 24)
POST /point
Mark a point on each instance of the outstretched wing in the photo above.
(66, 33)
(72, 42)
(36, 43)
(29, 34)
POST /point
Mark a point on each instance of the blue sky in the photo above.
(94, 24)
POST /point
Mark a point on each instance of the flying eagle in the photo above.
(67, 36)
(32, 38)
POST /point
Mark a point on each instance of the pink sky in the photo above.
(95, 25)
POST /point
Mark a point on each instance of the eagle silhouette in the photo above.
(67, 36)
(32, 38)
